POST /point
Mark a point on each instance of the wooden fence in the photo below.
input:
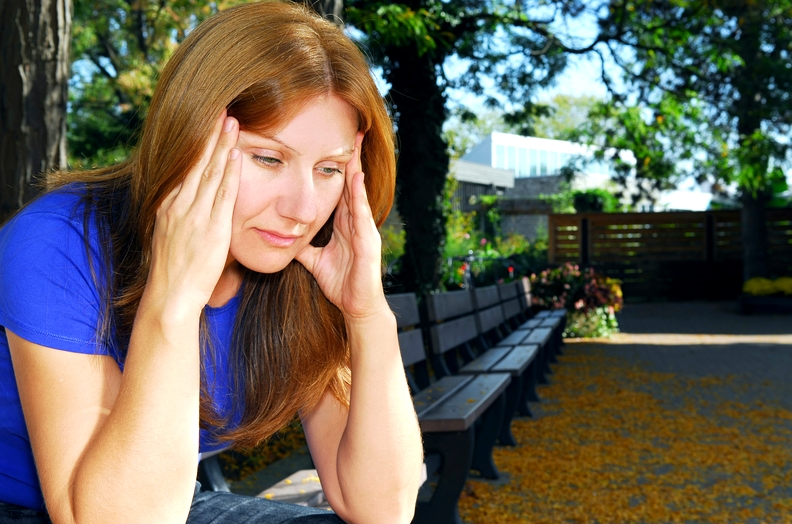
(680, 255)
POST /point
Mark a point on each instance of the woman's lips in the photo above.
(277, 239)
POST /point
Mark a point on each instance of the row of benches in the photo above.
(473, 360)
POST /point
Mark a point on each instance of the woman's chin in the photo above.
(272, 265)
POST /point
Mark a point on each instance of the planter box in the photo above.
(766, 304)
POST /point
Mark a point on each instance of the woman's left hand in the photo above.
(348, 269)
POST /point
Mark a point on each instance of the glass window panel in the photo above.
(553, 162)
(512, 164)
(534, 162)
(500, 157)
(542, 162)
(522, 165)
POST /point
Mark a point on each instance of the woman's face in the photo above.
(291, 183)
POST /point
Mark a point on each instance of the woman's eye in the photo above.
(330, 170)
(266, 160)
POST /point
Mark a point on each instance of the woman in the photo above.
(225, 277)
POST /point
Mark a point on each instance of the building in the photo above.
(536, 166)
(535, 157)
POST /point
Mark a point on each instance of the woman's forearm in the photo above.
(380, 453)
(141, 465)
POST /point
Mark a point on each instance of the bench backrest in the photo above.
(451, 304)
(510, 302)
(405, 308)
(489, 313)
(454, 312)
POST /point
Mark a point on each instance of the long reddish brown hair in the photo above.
(263, 62)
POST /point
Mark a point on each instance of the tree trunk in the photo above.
(749, 113)
(754, 235)
(34, 75)
(419, 107)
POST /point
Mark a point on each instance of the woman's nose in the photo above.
(298, 198)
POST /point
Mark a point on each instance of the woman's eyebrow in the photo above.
(281, 142)
(341, 152)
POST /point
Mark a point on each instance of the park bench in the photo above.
(456, 325)
(455, 413)
(513, 311)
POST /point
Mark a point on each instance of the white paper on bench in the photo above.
(305, 489)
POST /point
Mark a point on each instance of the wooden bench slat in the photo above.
(517, 360)
(551, 322)
(453, 333)
(437, 392)
(490, 318)
(485, 361)
(441, 306)
(515, 338)
(531, 324)
(508, 291)
(405, 308)
(411, 346)
(486, 296)
(538, 336)
(511, 308)
(461, 409)
(543, 314)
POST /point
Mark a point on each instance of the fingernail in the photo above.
(228, 125)
(234, 154)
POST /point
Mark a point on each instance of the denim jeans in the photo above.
(210, 507)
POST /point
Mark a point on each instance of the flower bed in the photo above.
(762, 295)
(591, 299)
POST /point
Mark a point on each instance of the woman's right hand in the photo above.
(192, 233)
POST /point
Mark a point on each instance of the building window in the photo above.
(534, 163)
(512, 161)
(500, 157)
(542, 163)
(522, 165)
(564, 159)
(553, 162)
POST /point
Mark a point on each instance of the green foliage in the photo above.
(464, 129)
(557, 118)
(488, 258)
(397, 25)
(567, 114)
(707, 90)
(599, 322)
(597, 200)
(393, 239)
(118, 48)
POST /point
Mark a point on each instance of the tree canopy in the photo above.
(706, 91)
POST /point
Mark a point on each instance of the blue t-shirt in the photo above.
(48, 296)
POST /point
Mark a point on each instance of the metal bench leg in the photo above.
(487, 430)
(513, 398)
(528, 391)
(456, 451)
(548, 355)
(211, 476)
(540, 363)
(553, 349)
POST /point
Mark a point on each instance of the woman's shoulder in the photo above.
(48, 293)
(49, 220)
